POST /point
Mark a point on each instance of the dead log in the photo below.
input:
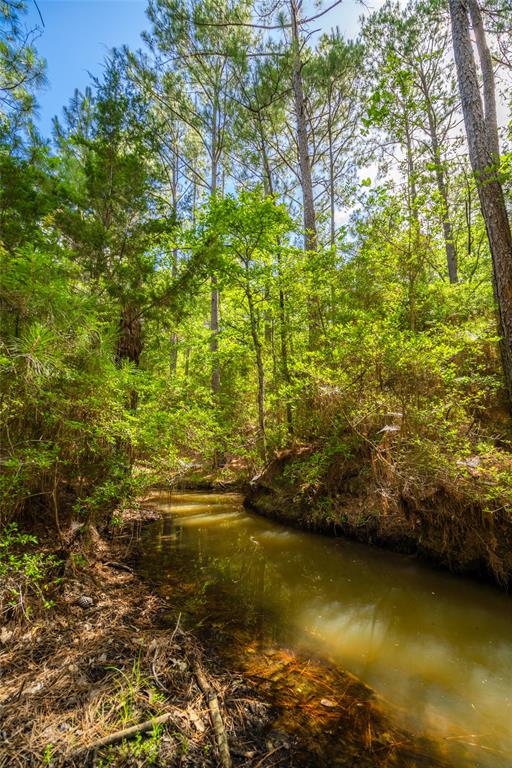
(215, 716)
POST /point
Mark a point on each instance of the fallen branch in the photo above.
(215, 716)
(119, 566)
(126, 733)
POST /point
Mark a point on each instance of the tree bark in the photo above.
(414, 224)
(260, 369)
(129, 343)
(129, 340)
(442, 187)
(331, 171)
(283, 329)
(489, 86)
(306, 180)
(214, 296)
(173, 352)
(482, 136)
(310, 233)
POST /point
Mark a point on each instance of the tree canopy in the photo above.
(252, 234)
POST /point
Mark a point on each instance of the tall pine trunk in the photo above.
(482, 136)
(283, 327)
(214, 294)
(306, 180)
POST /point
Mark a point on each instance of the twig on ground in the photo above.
(125, 733)
(119, 566)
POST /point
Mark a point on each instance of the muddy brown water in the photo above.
(436, 647)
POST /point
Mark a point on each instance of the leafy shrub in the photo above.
(27, 576)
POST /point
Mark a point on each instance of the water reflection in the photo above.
(436, 645)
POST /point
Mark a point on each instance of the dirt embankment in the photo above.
(368, 499)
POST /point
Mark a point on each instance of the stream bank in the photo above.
(331, 631)
(446, 522)
(103, 659)
(113, 653)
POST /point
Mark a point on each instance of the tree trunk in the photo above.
(173, 352)
(331, 174)
(129, 342)
(261, 372)
(489, 87)
(214, 296)
(283, 329)
(187, 363)
(214, 338)
(310, 232)
(414, 226)
(482, 139)
(411, 174)
(442, 188)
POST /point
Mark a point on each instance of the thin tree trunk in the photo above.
(173, 356)
(481, 132)
(283, 329)
(261, 372)
(442, 188)
(411, 174)
(214, 339)
(468, 209)
(331, 173)
(414, 226)
(187, 363)
(284, 353)
(310, 234)
(214, 296)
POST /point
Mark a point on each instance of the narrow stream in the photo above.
(438, 648)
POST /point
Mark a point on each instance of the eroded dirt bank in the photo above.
(365, 499)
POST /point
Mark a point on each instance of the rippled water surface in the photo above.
(437, 646)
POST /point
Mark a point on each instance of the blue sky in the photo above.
(75, 40)
(79, 33)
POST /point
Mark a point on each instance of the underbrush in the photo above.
(28, 576)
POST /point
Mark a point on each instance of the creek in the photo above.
(435, 648)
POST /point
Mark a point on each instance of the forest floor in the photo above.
(75, 678)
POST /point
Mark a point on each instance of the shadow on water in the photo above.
(315, 621)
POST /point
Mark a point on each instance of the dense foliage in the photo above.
(159, 308)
